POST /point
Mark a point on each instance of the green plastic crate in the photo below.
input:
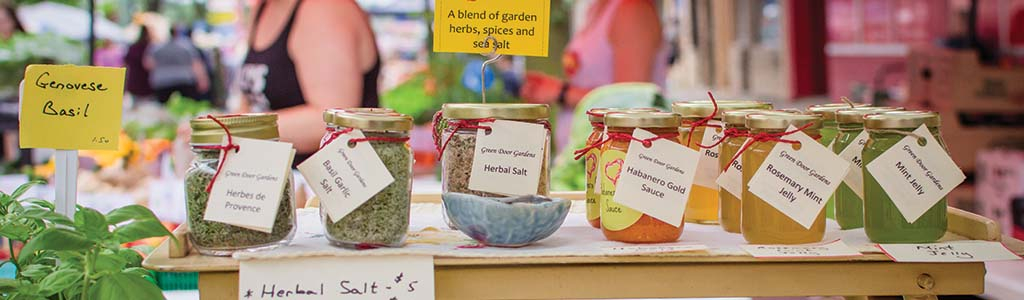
(170, 281)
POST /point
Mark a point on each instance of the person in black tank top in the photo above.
(322, 55)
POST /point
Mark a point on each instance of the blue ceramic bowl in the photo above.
(506, 222)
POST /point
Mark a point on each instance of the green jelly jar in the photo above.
(849, 205)
(829, 130)
(883, 222)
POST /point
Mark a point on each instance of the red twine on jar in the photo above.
(335, 133)
(703, 121)
(457, 124)
(583, 151)
(646, 142)
(766, 137)
(223, 148)
(728, 133)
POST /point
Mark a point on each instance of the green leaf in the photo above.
(124, 286)
(92, 223)
(8, 285)
(110, 262)
(130, 212)
(36, 271)
(131, 256)
(141, 272)
(139, 230)
(39, 202)
(47, 215)
(24, 188)
(53, 239)
(58, 281)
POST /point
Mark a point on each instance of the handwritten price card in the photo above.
(519, 27)
(355, 277)
(71, 107)
(835, 248)
(970, 251)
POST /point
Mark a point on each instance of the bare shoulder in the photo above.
(637, 10)
(319, 16)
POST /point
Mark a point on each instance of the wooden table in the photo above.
(679, 276)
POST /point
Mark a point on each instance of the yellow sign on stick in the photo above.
(71, 107)
(520, 27)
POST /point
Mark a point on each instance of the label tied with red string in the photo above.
(346, 173)
(798, 182)
(656, 177)
(507, 158)
(707, 168)
(731, 179)
(247, 191)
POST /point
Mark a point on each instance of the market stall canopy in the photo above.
(67, 21)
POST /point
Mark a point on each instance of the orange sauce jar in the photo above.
(592, 154)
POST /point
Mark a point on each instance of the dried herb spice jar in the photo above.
(762, 223)
(829, 130)
(383, 220)
(592, 153)
(220, 239)
(697, 118)
(619, 222)
(735, 135)
(883, 222)
(848, 203)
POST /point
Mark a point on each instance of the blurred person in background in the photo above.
(137, 78)
(305, 57)
(175, 66)
(9, 24)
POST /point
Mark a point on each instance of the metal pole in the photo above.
(92, 31)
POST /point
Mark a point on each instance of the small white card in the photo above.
(963, 251)
(855, 178)
(656, 180)
(652, 249)
(798, 182)
(333, 277)
(707, 167)
(835, 248)
(731, 180)
(916, 177)
(247, 192)
(345, 177)
(508, 160)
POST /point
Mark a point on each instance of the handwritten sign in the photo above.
(71, 107)
(517, 27)
(654, 249)
(355, 277)
(835, 248)
(966, 251)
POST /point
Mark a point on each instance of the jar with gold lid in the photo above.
(848, 203)
(829, 130)
(735, 136)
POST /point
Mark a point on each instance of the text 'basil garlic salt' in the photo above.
(493, 150)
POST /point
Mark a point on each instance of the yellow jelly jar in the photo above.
(734, 138)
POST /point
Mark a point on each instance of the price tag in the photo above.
(731, 180)
(966, 251)
(71, 107)
(916, 177)
(835, 248)
(352, 277)
(707, 167)
(653, 249)
(344, 176)
(656, 180)
(798, 182)
(508, 160)
(248, 190)
(855, 178)
(518, 27)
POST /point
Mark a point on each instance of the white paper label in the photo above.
(345, 177)
(508, 160)
(248, 189)
(651, 249)
(656, 180)
(855, 177)
(916, 177)
(798, 182)
(707, 167)
(835, 248)
(965, 251)
(731, 180)
(326, 277)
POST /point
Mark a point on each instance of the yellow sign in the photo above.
(518, 27)
(71, 107)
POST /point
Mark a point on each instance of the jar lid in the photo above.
(372, 121)
(329, 113)
(828, 111)
(739, 117)
(703, 108)
(597, 114)
(856, 115)
(781, 120)
(253, 126)
(506, 111)
(643, 120)
(901, 119)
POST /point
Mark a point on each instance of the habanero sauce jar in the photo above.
(735, 136)
(849, 205)
(883, 221)
(619, 222)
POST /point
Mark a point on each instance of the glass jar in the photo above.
(383, 220)
(458, 144)
(883, 222)
(619, 222)
(829, 130)
(593, 154)
(849, 206)
(220, 239)
(729, 203)
(702, 207)
(762, 223)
